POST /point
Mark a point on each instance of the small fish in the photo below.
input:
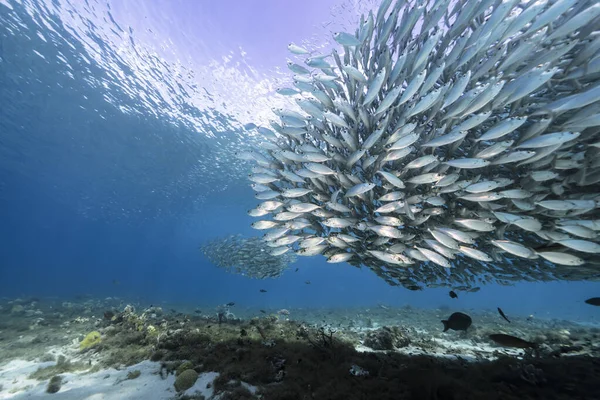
(296, 269)
(512, 341)
(231, 304)
(502, 314)
(262, 291)
(263, 311)
(346, 39)
(457, 322)
(453, 294)
(594, 301)
(297, 49)
(307, 282)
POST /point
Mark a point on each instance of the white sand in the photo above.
(455, 348)
(108, 384)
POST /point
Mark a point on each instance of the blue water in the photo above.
(111, 176)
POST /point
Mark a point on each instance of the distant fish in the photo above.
(457, 322)
(230, 304)
(263, 311)
(296, 269)
(307, 282)
(502, 314)
(453, 294)
(511, 341)
(414, 287)
(262, 291)
(594, 301)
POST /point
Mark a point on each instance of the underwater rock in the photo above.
(54, 384)
(134, 374)
(17, 309)
(186, 380)
(387, 338)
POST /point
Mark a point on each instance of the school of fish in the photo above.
(444, 143)
(246, 256)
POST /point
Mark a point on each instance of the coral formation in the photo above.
(54, 384)
(387, 338)
(186, 380)
(90, 340)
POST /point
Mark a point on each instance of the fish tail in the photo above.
(445, 325)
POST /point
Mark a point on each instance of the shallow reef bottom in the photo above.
(273, 357)
(311, 373)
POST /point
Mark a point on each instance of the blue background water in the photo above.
(97, 187)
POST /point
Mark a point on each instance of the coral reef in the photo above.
(273, 358)
(387, 338)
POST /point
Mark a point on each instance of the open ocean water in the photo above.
(128, 268)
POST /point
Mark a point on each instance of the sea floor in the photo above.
(110, 349)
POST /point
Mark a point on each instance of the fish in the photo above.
(230, 304)
(249, 256)
(262, 291)
(307, 282)
(453, 147)
(594, 301)
(457, 321)
(511, 341)
(453, 294)
(346, 39)
(502, 314)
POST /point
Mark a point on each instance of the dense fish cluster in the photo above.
(246, 256)
(444, 142)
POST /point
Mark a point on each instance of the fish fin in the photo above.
(445, 325)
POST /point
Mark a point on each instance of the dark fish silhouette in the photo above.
(594, 301)
(502, 314)
(262, 291)
(296, 270)
(512, 341)
(457, 322)
(263, 311)
(453, 294)
(230, 304)
(307, 282)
